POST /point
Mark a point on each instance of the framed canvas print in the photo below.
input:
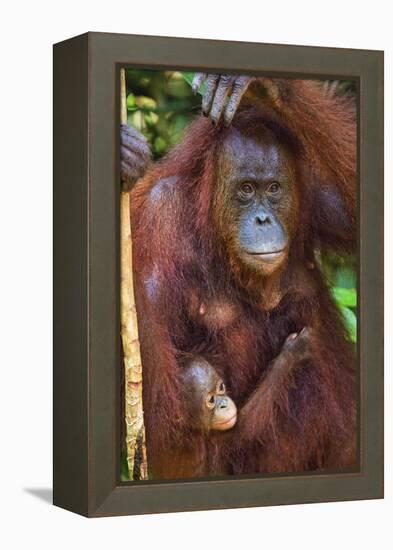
(218, 274)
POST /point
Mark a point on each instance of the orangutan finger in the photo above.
(136, 145)
(197, 81)
(130, 131)
(208, 96)
(132, 157)
(239, 87)
(223, 88)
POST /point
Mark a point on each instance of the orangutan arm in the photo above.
(270, 399)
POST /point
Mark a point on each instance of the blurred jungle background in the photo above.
(160, 104)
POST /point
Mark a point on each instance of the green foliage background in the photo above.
(161, 105)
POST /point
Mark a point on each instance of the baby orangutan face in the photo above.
(205, 397)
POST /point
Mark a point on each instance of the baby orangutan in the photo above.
(209, 412)
(209, 407)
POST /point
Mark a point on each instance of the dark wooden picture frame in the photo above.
(87, 343)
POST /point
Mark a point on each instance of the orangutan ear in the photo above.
(331, 223)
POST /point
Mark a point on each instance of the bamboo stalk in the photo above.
(135, 429)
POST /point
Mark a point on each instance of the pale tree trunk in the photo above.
(135, 429)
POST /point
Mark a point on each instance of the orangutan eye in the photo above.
(211, 401)
(221, 387)
(274, 188)
(247, 191)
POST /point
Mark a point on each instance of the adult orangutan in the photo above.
(225, 231)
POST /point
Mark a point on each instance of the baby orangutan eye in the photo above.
(246, 191)
(211, 401)
(221, 387)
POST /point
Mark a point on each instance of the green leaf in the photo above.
(177, 86)
(136, 120)
(145, 102)
(345, 296)
(188, 77)
(150, 118)
(124, 476)
(350, 322)
(344, 277)
(131, 105)
(160, 145)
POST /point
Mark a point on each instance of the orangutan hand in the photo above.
(298, 346)
(134, 156)
(224, 93)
